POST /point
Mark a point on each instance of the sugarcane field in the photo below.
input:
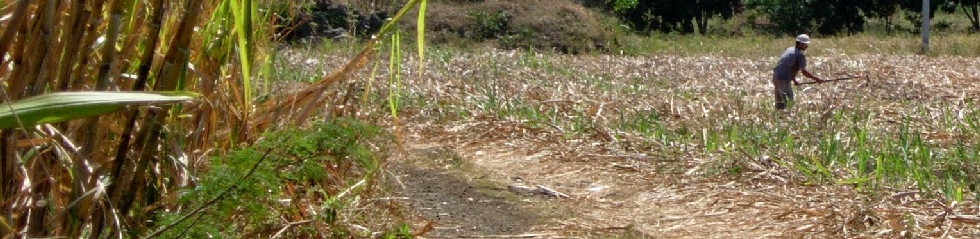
(490, 119)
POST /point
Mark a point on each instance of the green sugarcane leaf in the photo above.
(420, 30)
(64, 106)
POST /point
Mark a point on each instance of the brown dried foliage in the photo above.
(51, 175)
(108, 175)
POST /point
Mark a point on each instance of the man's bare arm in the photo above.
(811, 76)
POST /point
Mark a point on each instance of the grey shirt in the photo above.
(790, 63)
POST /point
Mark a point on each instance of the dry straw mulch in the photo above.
(612, 190)
(672, 188)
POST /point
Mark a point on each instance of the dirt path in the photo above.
(458, 205)
(486, 180)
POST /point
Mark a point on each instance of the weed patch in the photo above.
(293, 183)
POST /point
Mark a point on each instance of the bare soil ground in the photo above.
(457, 205)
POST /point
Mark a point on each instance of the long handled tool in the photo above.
(837, 79)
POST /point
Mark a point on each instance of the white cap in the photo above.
(803, 38)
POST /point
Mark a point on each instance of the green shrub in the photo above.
(490, 25)
(562, 25)
(313, 178)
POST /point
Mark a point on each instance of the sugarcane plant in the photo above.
(109, 106)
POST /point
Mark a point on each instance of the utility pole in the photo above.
(925, 27)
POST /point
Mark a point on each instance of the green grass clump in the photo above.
(846, 149)
(317, 178)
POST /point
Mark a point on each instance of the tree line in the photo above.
(828, 17)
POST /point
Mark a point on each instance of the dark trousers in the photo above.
(783, 89)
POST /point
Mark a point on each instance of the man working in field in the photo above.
(790, 63)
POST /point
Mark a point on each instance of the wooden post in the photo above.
(925, 27)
